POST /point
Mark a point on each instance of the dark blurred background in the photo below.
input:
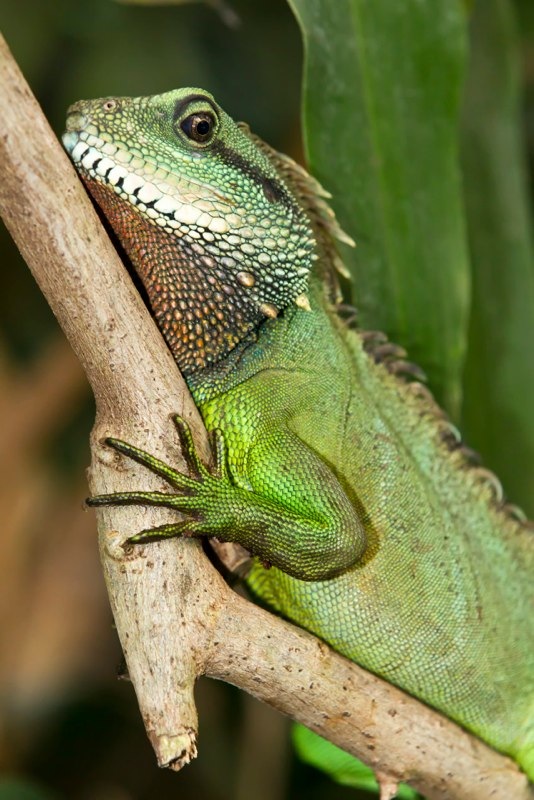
(68, 727)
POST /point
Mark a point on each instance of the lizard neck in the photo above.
(296, 338)
(204, 302)
(202, 309)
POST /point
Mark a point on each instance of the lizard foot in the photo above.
(196, 491)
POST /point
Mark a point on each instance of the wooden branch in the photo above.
(176, 617)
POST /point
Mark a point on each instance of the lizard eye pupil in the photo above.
(198, 127)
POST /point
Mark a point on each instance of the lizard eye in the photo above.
(199, 127)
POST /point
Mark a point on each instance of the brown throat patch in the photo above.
(203, 310)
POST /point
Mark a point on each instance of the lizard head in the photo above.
(214, 231)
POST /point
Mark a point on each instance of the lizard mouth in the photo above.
(150, 188)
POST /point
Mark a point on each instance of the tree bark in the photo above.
(176, 617)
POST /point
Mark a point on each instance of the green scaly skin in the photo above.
(369, 524)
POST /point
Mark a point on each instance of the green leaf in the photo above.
(499, 376)
(22, 789)
(382, 85)
(342, 767)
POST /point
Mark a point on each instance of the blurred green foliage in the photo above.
(16, 789)
(498, 413)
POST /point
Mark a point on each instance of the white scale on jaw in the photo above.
(156, 200)
(164, 209)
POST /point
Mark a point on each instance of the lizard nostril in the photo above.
(76, 121)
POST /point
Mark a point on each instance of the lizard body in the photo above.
(370, 526)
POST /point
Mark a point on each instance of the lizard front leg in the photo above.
(302, 523)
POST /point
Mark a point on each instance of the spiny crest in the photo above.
(393, 358)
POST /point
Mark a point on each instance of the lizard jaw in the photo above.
(238, 246)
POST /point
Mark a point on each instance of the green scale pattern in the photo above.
(368, 523)
(436, 602)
